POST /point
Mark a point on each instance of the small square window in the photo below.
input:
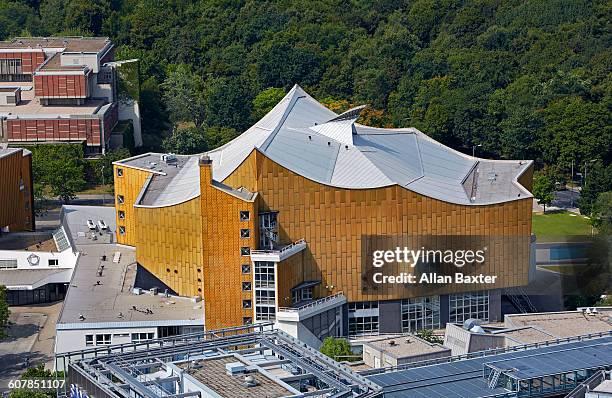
(246, 268)
(246, 304)
(246, 286)
(247, 320)
(119, 172)
(245, 233)
(120, 199)
(121, 215)
(245, 215)
(53, 262)
(121, 230)
(89, 340)
(245, 251)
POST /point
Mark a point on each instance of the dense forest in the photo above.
(524, 79)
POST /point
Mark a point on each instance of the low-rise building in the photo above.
(59, 89)
(16, 192)
(400, 350)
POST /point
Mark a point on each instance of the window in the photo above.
(265, 313)
(121, 230)
(53, 262)
(247, 320)
(295, 296)
(119, 172)
(268, 230)
(363, 318)
(246, 268)
(8, 264)
(245, 251)
(264, 274)
(246, 304)
(139, 337)
(265, 297)
(245, 215)
(245, 233)
(246, 286)
(103, 339)
(120, 199)
(10, 67)
(464, 306)
(89, 342)
(307, 293)
(121, 215)
(420, 313)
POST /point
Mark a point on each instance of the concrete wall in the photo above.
(73, 340)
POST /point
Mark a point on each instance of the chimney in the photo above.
(205, 169)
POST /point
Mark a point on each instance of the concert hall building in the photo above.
(271, 225)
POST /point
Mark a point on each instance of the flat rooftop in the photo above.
(68, 44)
(405, 346)
(102, 290)
(213, 375)
(526, 335)
(171, 183)
(55, 63)
(564, 324)
(464, 378)
(604, 386)
(30, 107)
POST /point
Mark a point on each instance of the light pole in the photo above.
(474, 149)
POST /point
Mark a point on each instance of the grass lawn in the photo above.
(559, 224)
(97, 190)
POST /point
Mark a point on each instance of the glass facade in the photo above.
(363, 318)
(420, 313)
(265, 296)
(463, 306)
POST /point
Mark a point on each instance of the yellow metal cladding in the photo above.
(16, 207)
(168, 243)
(333, 220)
(222, 265)
(128, 186)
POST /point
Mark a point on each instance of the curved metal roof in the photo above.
(305, 137)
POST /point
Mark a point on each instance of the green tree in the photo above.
(601, 215)
(428, 335)
(186, 141)
(34, 372)
(104, 166)
(183, 95)
(227, 103)
(544, 188)
(59, 169)
(598, 180)
(217, 136)
(4, 312)
(337, 349)
(265, 101)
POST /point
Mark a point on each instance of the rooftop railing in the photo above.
(312, 303)
(282, 249)
(485, 353)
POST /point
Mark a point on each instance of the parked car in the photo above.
(102, 225)
(91, 225)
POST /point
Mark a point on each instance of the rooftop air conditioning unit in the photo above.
(153, 291)
(234, 368)
(168, 157)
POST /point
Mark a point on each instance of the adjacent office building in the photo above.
(16, 193)
(277, 224)
(59, 89)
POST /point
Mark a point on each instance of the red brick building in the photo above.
(58, 89)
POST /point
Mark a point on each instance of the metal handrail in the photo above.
(281, 250)
(485, 353)
(311, 304)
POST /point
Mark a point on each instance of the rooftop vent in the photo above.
(234, 368)
(392, 343)
(168, 158)
(249, 381)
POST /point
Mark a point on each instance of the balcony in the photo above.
(280, 254)
(297, 314)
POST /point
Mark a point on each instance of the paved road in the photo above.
(31, 337)
(49, 221)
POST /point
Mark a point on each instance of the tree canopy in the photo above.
(4, 312)
(528, 79)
